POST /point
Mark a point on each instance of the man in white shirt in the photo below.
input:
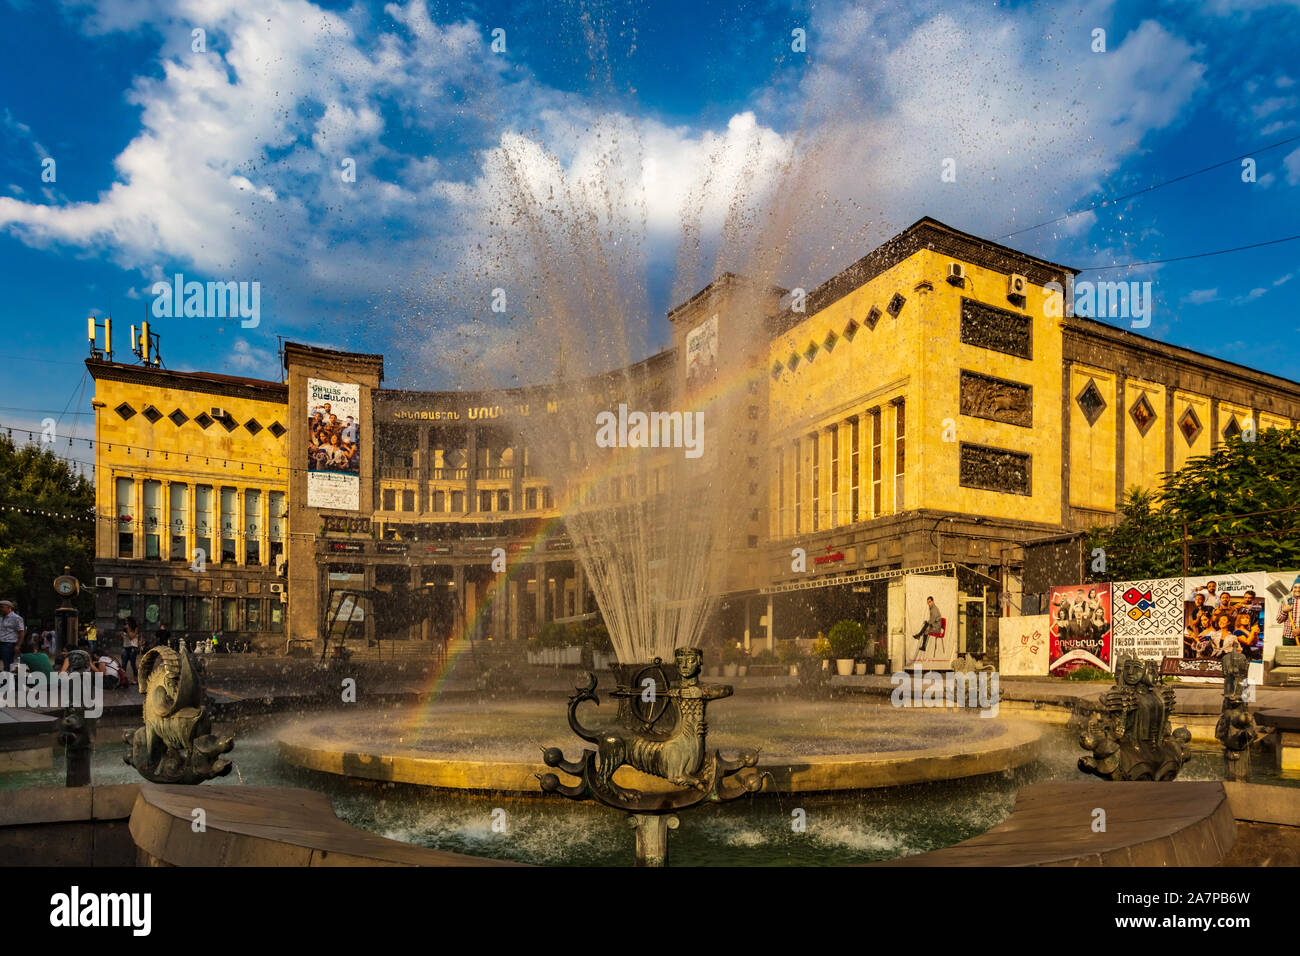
(12, 632)
(1211, 594)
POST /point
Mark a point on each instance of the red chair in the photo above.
(938, 635)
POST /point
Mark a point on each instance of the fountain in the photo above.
(678, 754)
(1130, 736)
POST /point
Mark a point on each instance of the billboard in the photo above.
(333, 445)
(1080, 628)
(926, 645)
(1148, 618)
(702, 353)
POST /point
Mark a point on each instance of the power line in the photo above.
(1195, 255)
(1101, 203)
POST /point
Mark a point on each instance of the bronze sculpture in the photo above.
(1130, 735)
(1236, 728)
(176, 744)
(76, 729)
(678, 752)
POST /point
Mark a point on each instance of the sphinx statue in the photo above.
(1129, 735)
(176, 743)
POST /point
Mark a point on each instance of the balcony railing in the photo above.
(501, 472)
(402, 472)
(449, 474)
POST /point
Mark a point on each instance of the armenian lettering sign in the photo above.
(1081, 624)
(333, 445)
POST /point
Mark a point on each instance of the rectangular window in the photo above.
(176, 617)
(275, 521)
(229, 523)
(253, 613)
(277, 616)
(876, 504)
(205, 615)
(780, 494)
(252, 526)
(179, 494)
(458, 502)
(900, 441)
(855, 492)
(204, 521)
(124, 609)
(503, 501)
(408, 499)
(439, 501)
(815, 449)
(152, 612)
(548, 499)
(125, 518)
(389, 499)
(153, 520)
(798, 488)
(835, 476)
(485, 501)
(230, 614)
(530, 499)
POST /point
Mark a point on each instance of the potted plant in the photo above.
(847, 639)
(788, 654)
(880, 659)
(822, 649)
(732, 655)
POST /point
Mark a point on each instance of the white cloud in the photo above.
(1201, 296)
(1292, 164)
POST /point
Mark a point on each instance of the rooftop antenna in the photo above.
(145, 346)
(92, 328)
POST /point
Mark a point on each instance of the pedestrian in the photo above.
(12, 632)
(130, 645)
(162, 637)
(33, 658)
(91, 636)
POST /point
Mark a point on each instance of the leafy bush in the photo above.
(881, 655)
(553, 634)
(788, 653)
(821, 648)
(733, 653)
(847, 639)
(764, 657)
(1090, 673)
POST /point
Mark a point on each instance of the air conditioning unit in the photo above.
(1017, 285)
(102, 582)
(277, 588)
(956, 273)
(218, 413)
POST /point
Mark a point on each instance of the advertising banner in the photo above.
(1080, 628)
(926, 644)
(1148, 618)
(333, 445)
(1023, 645)
(702, 353)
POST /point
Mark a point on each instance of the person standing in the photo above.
(130, 645)
(12, 632)
(162, 637)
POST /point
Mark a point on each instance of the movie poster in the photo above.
(1080, 632)
(1225, 613)
(702, 353)
(1023, 645)
(1148, 618)
(333, 445)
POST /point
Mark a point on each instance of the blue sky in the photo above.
(610, 161)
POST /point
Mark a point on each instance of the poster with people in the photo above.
(929, 621)
(1081, 623)
(1225, 613)
(333, 445)
(702, 353)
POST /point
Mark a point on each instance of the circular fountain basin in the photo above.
(805, 746)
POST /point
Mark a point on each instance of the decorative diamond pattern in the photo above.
(1190, 425)
(1143, 415)
(851, 329)
(872, 318)
(203, 419)
(896, 305)
(125, 410)
(178, 417)
(151, 413)
(1232, 429)
(276, 429)
(1090, 402)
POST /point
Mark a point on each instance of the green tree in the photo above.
(1239, 507)
(38, 489)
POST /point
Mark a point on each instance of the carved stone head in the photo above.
(689, 661)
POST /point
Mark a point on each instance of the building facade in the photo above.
(933, 405)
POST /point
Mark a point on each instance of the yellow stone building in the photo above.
(933, 405)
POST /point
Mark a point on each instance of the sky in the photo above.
(387, 173)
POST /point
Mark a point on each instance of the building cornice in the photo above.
(207, 383)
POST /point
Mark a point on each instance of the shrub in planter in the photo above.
(847, 639)
(822, 648)
(553, 635)
(764, 657)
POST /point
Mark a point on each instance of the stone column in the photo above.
(419, 629)
(768, 626)
(137, 526)
(540, 570)
(422, 503)
(517, 478)
(458, 588)
(471, 483)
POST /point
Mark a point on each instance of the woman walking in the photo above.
(131, 646)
